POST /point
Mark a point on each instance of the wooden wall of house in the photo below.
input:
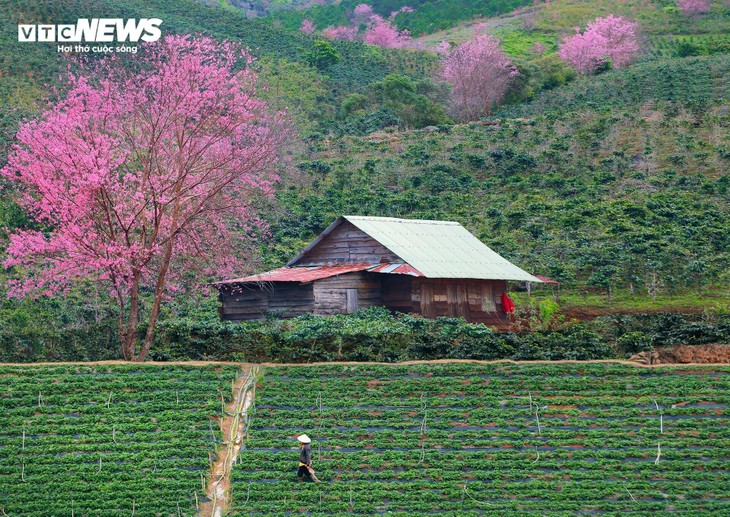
(242, 302)
(346, 293)
(346, 244)
(397, 292)
(477, 301)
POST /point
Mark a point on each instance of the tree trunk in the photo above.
(129, 340)
(161, 277)
(154, 314)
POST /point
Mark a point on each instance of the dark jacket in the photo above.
(305, 456)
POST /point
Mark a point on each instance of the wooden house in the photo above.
(432, 268)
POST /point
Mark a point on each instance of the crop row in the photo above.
(470, 439)
(108, 440)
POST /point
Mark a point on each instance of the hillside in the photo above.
(612, 184)
(600, 183)
(34, 66)
(520, 23)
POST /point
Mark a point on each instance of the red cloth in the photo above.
(508, 306)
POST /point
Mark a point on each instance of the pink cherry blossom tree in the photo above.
(150, 170)
(479, 72)
(341, 32)
(693, 6)
(307, 26)
(382, 33)
(362, 14)
(611, 38)
(443, 48)
(404, 9)
(584, 52)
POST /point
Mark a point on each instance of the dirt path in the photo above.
(233, 427)
(345, 363)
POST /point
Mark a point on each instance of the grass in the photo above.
(623, 301)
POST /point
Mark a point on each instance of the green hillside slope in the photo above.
(24, 64)
(600, 184)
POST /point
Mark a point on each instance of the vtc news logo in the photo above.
(101, 30)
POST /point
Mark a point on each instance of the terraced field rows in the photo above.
(465, 439)
(108, 440)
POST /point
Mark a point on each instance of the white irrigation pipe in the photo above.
(475, 500)
(630, 495)
(248, 494)
(661, 418)
(658, 452)
(538, 454)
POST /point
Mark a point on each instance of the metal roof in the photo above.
(312, 273)
(299, 274)
(396, 269)
(546, 279)
(436, 249)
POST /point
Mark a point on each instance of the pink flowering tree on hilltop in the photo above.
(341, 32)
(404, 9)
(362, 14)
(307, 26)
(148, 170)
(694, 6)
(479, 73)
(382, 33)
(611, 38)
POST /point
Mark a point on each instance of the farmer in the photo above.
(306, 472)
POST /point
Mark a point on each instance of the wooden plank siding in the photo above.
(347, 244)
(396, 291)
(477, 301)
(254, 302)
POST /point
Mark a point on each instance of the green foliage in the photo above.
(638, 332)
(369, 335)
(294, 88)
(409, 101)
(497, 439)
(323, 55)
(140, 435)
(428, 15)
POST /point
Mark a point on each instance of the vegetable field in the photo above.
(463, 439)
(108, 440)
